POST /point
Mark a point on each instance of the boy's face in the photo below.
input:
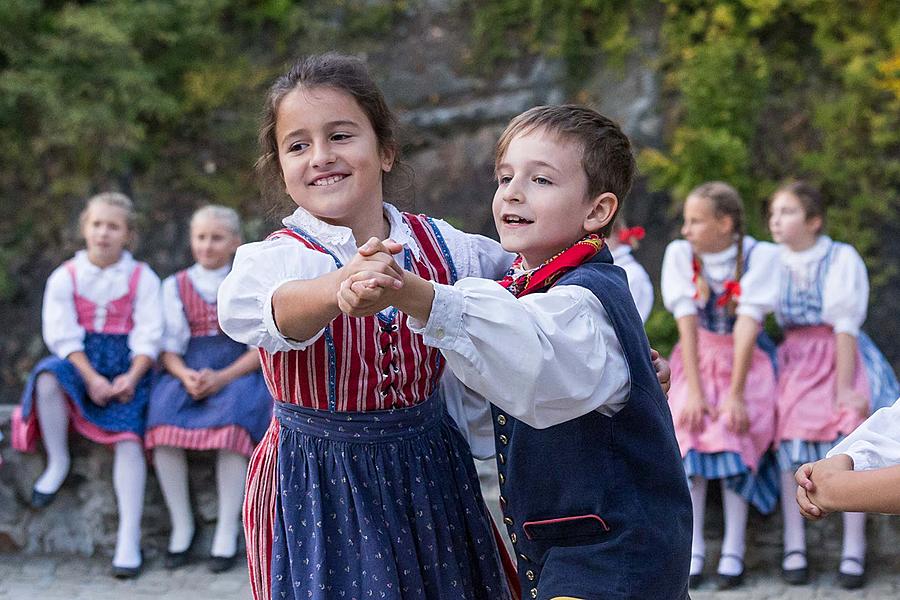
(541, 203)
(213, 243)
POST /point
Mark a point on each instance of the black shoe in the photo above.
(728, 582)
(175, 560)
(41, 500)
(694, 581)
(795, 576)
(849, 581)
(220, 564)
(127, 572)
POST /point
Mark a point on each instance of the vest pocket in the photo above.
(565, 527)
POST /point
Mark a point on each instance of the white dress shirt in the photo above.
(59, 319)
(759, 283)
(178, 330)
(638, 280)
(876, 443)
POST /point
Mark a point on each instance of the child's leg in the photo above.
(53, 420)
(129, 477)
(854, 544)
(172, 472)
(231, 472)
(698, 503)
(733, 544)
(794, 529)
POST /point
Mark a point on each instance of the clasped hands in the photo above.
(372, 279)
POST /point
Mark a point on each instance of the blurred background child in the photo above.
(824, 389)
(621, 242)
(101, 319)
(212, 395)
(718, 284)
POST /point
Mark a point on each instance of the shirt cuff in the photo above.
(754, 312)
(860, 457)
(848, 326)
(684, 308)
(268, 319)
(445, 320)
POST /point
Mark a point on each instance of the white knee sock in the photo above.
(231, 472)
(172, 472)
(854, 543)
(53, 420)
(794, 528)
(733, 543)
(698, 504)
(129, 478)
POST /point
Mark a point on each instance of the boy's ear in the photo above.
(603, 209)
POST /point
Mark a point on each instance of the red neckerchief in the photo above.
(731, 291)
(630, 235)
(551, 270)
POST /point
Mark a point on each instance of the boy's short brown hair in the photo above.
(606, 152)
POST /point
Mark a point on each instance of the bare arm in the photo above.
(734, 410)
(687, 337)
(858, 491)
(845, 366)
(246, 363)
(302, 308)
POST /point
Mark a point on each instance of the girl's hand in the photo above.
(99, 390)
(734, 411)
(210, 382)
(365, 294)
(663, 372)
(850, 398)
(813, 482)
(695, 410)
(190, 379)
(376, 256)
(123, 388)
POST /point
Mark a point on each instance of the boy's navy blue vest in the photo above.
(598, 507)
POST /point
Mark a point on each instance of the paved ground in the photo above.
(65, 578)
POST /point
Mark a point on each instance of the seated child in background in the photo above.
(861, 473)
(592, 489)
(622, 241)
(212, 395)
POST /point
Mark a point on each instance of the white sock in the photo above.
(231, 472)
(129, 478)
(172, 471)
(854, 543)
(794, 528)
(698, 504)
(53, 420)
(733, 544)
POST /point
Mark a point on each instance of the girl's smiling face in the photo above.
(106, 233)
(703, 229)
(790, 224)
(330, 156)
(213, 243)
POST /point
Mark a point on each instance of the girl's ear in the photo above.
(603, 209)
(387, 159)
(725, 225)
(816, 223)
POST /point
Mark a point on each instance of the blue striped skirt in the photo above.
(761, 489)
(382, 504)
(791, 454)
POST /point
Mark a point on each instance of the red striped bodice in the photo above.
(201, 315)
(370, 363)
(119, 313)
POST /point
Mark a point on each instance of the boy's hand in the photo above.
(376, 257)
(734, 411)
(365, 294)
(695, 409)
(123, 388)
(813, 504)
(850, 398)
(663, 372)
(99, 390)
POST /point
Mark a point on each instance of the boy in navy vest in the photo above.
(593, 492)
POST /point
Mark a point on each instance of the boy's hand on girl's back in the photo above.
(850, 398)
(99, 390)
(663, 372)
(695, 410)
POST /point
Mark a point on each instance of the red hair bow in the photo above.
(732, 291)
(629, 235)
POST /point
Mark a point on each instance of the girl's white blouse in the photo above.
(759, 283)
(59, 320)
(845, 295)
(178, 330)
(874, 444)
(260, 268)
(638, 280)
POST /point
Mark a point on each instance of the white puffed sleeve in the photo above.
(759, 284)
(475, 255)
(245, 296)
(641, 288)
(676, 284)
(177, 329)
(146, 336)
(59, 319)
(472, 414)
(846, 296)
(874, 444)
(519, 353)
